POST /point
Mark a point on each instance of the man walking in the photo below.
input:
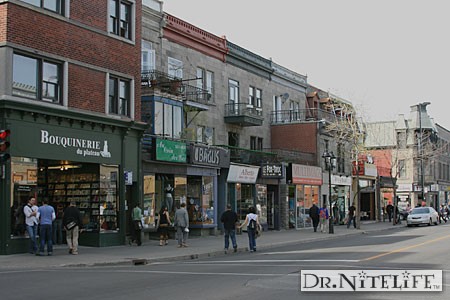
(181, 222)
(351, 216)
(229, 219)
(314, 215)
(390, 211)
(31, 212)
(47, 216)
(72, 223)
(137, 224)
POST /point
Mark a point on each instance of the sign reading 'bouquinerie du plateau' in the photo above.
(172, 151)
(82, 147)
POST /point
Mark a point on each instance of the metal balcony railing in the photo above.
(165, 83)
(242, 109)
(301, 116)
(247, 156)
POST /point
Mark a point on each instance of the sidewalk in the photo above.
(151, 252)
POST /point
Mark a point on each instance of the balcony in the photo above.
(301, 116)
(243, 114)
(155, 82)
(251, 157)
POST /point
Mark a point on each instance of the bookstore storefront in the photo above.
(65, 162)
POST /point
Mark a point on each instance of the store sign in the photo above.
(172, 151)
(242, 174)
(370, 170)
(341, 180)
(306, 174)
(210, 156)
(404, 187)
(272, 171)
(82, 147)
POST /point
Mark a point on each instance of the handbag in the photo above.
(71, 225)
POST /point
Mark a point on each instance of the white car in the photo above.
(422, 215)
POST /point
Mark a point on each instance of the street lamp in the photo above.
(424, 105)
(330, 164)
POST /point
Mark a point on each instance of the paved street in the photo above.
(270, 273)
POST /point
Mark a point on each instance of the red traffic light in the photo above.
(4, 134)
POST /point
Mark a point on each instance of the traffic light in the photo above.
(4, 145)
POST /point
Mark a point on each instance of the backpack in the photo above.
(252, 224)
(323, 214)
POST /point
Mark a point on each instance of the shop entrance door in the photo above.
(270, 210)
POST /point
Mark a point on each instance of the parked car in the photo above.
(422, 215)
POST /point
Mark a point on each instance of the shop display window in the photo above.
(261, 202)
(200, 200)
(93, 187)
(149, 201)
(244, 199)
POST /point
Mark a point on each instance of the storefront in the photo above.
(243, 191)
(340, 196)
(64, 159)
(268, 185)
(170, 180)
(304, 183)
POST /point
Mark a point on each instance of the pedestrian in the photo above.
(57, 225)
(314, 215)
(397, 216)
(443, 213)
(19, 216)
(229, 219)
(72, 224)
(136, 217)
(46, 217)
(181, 222)
(389, 211)
(324, 216)
(31, 212)
(163, 226)
(351, 216)
(335, 214)
(252, 223)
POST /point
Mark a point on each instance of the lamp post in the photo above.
(422, 184)
(330, 164)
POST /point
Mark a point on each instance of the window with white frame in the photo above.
(200, 134)
(200, 78)
(175, 67)
(401, 168)
(167, 119)
(251, 96)
(233, 96)
(119, 96)
(56, 6)
(120, 18)
(210, 84)
(147, 57)
(37, 78)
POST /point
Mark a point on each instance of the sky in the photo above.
(382, 55)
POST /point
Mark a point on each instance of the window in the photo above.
(119, 96)
(233, 96)
(401, 168)
(205, 135)
(37, 78)
(56, 6)
(209, 83)
(256, 143)
(167, 120)
(277, 109)
(200, 78)
(175, 68)
(120, 18)
(251, 96)
(147, 57)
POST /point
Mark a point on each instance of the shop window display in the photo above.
(93, 187)
(200, 204)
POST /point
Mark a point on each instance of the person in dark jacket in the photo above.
(229, 219)
(72, 224)
(314, 215)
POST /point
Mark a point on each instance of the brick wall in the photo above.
(298, 137)
(51, 35)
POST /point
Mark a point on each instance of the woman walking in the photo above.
(163, 225)
(252, 223)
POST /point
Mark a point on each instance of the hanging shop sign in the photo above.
(272, 171)
(301, 174)
(242, 174)
(171, 151)
(341, 180)
(209, 156)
